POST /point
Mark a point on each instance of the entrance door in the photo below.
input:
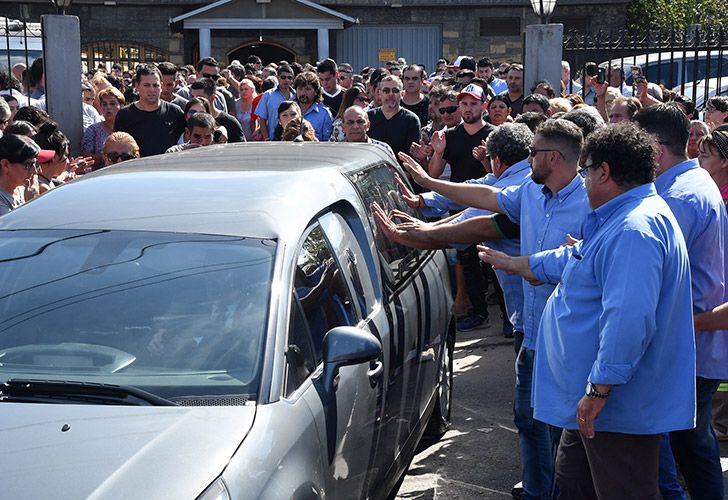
(268, 53)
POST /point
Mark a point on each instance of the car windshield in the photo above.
(177, 315)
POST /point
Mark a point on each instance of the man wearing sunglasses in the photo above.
(346, 76)
(267, 110)
(208, 67)
(391, 123)
(19, 157)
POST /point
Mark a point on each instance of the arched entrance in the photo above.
(268, 52)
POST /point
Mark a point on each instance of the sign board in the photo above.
(386, 55)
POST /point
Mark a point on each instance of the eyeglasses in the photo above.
(449, 110)
(214, 77)
(583, 170)
(344, 76)
(533, 151)
(285, 77)
(362, 98)
(387, 90)
(114, 156)
(30, 164)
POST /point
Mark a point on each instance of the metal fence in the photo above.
(20, 42)
(692, 62)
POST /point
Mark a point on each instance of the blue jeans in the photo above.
(537, 441)
(669, 485)
(696, 450)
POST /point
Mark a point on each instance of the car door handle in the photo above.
(375, 372)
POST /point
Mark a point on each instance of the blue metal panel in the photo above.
(360, 45)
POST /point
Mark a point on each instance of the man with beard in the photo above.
(486, 71)
(455, 146)
(549, 206)
(447, 112)
(391, 123)
(308, 97)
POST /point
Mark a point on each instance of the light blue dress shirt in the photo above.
(621, 314)
(319, 117)
(511, 284)
(268, 107)
(695, 200)
(545, 220)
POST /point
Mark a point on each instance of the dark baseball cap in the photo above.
(18, 149)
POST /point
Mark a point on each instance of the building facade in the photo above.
(361, 32)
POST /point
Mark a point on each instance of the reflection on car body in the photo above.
(226, 323)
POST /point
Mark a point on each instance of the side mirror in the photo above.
(342, 346)
(345, 346)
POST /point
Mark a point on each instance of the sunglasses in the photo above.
(361, 98)
(449, 110)
(114, 156)
(285, 77)
(214, 77)
(344, 76)
(533, 151)
(30, 164)
(387, 90)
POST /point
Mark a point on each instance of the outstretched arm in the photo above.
(472, 195)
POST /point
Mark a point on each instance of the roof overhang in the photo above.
(335, 19)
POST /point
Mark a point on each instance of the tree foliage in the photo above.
(645, 15)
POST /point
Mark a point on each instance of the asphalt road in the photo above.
(478, 458)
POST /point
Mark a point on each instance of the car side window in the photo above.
(320, 301)
(377, 184)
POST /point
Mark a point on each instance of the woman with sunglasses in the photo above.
(498, 110)
(355, 96)
(19, 157)
(119, 147)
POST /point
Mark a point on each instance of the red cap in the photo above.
(45, 155)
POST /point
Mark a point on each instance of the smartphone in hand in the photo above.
(601, 75)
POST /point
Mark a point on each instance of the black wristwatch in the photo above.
(592, 392)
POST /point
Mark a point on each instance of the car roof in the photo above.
(257, 190)
(652, 57)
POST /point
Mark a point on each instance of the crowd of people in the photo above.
(595, 210)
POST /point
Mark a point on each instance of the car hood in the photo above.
(116, 452)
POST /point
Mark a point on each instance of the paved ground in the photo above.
(478, 458)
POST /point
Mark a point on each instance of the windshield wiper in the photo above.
(54, 391)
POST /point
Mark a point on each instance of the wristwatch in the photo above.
(592, 392)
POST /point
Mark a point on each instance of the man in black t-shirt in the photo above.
(413, 99)
(455, 146)
(153, 123)
(391, 123)
(333, 93)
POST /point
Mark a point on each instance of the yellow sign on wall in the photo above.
(386, 55)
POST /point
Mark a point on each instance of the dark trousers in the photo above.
(610, 466)
(475, 283)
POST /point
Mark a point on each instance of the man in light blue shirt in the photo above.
(698, 208)
(549, 205)
(619, 322)
(267, 110)
(308, 96)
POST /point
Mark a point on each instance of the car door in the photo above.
(407, 305)
(321, 300)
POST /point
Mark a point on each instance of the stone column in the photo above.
(542, 58)
(205, 42)
(62, 71)
(323, 43)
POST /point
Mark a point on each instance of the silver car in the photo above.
(221, 323)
